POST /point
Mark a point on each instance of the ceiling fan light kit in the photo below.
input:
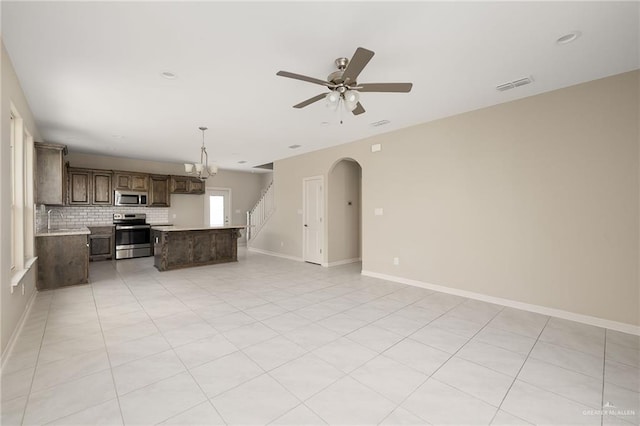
(343, 85)
(202, 169)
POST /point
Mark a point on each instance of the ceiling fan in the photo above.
(343, 83)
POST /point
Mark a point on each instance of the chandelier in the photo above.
(202, 169)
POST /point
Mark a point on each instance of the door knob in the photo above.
(305, 225)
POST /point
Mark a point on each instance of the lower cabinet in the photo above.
(101, 242)
(63, 260)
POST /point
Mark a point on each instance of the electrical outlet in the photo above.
(174, 215)
(376, 147)
(396, 261)
(378, 211)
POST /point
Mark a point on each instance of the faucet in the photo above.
(49, 217)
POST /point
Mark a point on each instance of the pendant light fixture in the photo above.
(202, 169)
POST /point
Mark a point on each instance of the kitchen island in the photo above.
(181, 247)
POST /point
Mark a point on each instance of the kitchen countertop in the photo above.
(170, 228)
(61, 232)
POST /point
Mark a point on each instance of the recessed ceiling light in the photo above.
(294, 146)
(168, 75)
(325, 123)
(568, 38)
(241, 162)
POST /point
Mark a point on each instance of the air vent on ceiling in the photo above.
(380, 123)
(296, 146)
(513, 84)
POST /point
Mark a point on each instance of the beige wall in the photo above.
(185, 210)
(343, 212)
(266, 179)
(535, 200)
(12, 305)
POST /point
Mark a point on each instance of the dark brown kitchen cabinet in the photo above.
(102, 192)
(196, 186)
(186, 185)
(159, 191)
(101, 242)
(62, 260)
(50, 185)
(79, 186)
(131, 181)
(89, 187)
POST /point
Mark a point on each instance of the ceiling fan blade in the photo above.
(385, 87)
(355, 66)
(304, 78)
(310, 100)
(358, 109)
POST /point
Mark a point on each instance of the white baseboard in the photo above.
(572, 316)
(16, 332)
(273, 253)
(341, 262)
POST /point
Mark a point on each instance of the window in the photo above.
(22, 208)
(12, 145)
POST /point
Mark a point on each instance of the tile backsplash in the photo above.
(76, 217)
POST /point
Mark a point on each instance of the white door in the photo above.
(312, 219)
(217, 207)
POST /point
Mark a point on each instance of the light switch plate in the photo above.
(376, 147)
(378, 211)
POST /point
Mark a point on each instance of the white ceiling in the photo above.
(91, 70)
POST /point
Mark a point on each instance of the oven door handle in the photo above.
(133, 227)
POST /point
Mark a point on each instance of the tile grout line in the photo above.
(106, 347)
(441, 365)
(71, 380)
(172, 349)
(308, 351)
(35, 367)
(520, 369)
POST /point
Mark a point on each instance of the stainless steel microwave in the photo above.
(130, 198)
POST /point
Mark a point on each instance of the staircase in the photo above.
(258, 215)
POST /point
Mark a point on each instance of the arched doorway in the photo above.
(344, 213)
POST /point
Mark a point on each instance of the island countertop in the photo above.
(171, 228)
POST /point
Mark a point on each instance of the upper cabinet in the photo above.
(186, 185)
(131, 181)
(159, 191)
(102, 191)
(89, 187)
(50, 179)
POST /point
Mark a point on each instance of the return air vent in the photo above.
(380, 123)
(513, 84)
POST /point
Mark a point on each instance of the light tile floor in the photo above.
(272, 341)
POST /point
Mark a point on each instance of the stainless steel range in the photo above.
(133, 235)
